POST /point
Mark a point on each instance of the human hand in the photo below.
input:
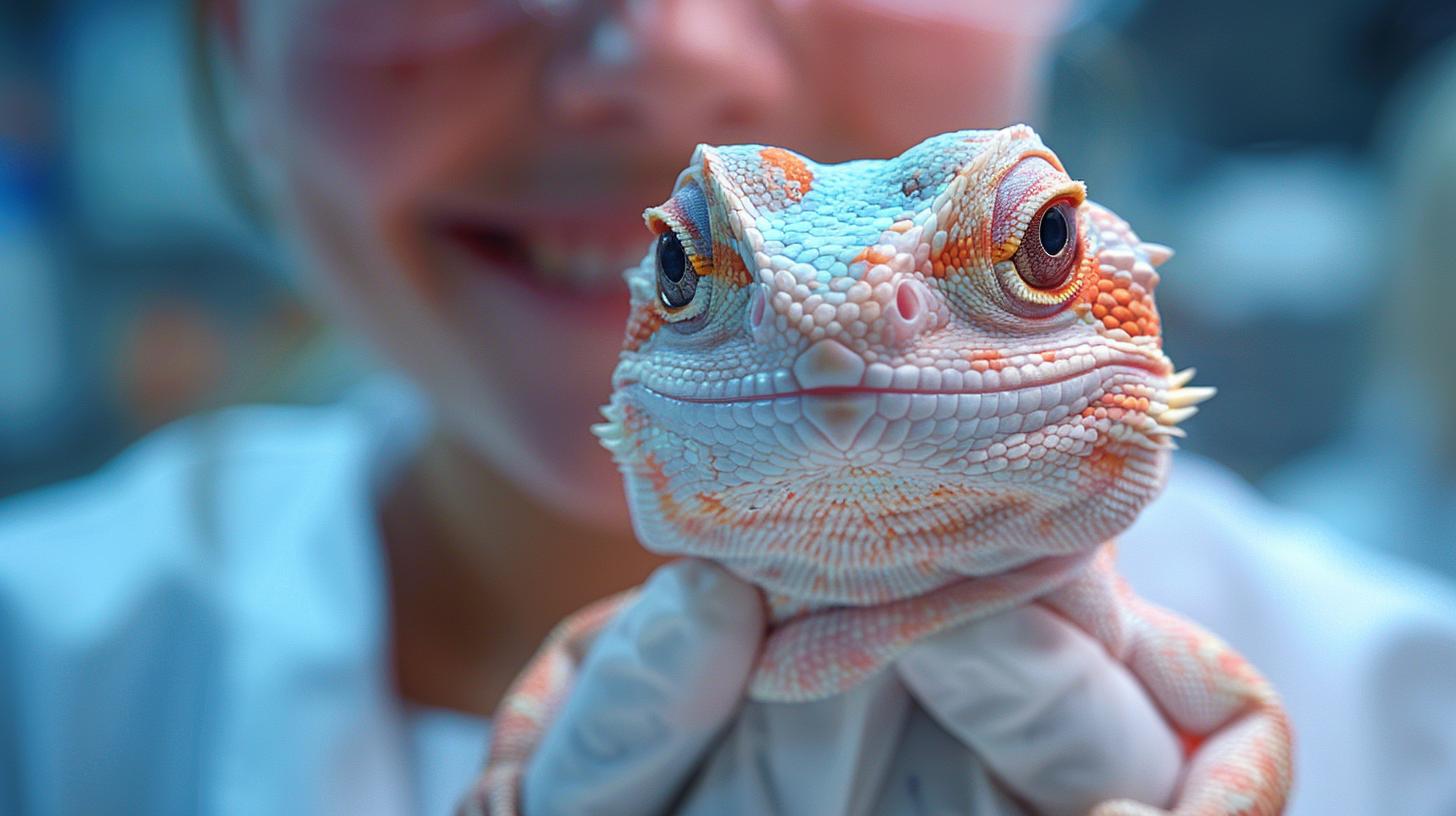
(1020, 708)
(1020, 711)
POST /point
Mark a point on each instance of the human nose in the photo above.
(672, 71)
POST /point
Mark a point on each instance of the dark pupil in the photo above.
(670, 257)
(1053, 231)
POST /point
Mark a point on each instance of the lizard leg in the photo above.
(1238, 739)
(529, 708)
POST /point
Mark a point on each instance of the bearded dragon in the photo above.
(897, 396)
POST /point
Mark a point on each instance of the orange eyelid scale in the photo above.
(1021, 196)
(642, 323)
(663, 219)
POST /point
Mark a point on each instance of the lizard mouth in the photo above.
(862, 417)
(778, 390)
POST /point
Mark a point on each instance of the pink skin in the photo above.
(390, 149)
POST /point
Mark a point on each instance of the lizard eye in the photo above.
(1048, 252)
(677, 281)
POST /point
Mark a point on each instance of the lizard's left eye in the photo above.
(1048, 252)
(677, 281)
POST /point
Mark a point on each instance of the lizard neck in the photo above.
(816, 653)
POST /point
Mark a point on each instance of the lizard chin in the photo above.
(859, 498)
(862, 536)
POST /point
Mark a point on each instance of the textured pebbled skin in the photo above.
(868, 412)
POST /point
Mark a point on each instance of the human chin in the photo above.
(540, 440)
(543, 366)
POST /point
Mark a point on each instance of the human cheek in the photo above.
(370, 118)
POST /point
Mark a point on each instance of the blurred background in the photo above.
(1300, 156)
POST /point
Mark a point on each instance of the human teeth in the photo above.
(547, 261)
(583, 266)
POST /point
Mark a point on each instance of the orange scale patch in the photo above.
(872, 256)
(641, 325)
(632, 419)
(1125, 402)
(957, 255)
(728, 265)
(986, 360)
(656, 476)
(712, 506)
(959, 252)
(1107, 463)
(1118, 303)
(797, 175)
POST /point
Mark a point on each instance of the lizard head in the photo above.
(854, 383)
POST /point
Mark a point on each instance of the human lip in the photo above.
(573, 254)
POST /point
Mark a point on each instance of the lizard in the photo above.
(898, 395)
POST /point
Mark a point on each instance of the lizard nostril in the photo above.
(758, 318)
(756, 309)
(907, 300)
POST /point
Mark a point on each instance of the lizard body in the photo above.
(899, 395)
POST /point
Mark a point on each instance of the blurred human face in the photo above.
(467, 177)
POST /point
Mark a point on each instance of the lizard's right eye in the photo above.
(1048, 251)
(677, 281)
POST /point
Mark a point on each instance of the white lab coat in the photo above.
(201, 628)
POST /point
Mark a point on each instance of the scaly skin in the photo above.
(896, 401)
